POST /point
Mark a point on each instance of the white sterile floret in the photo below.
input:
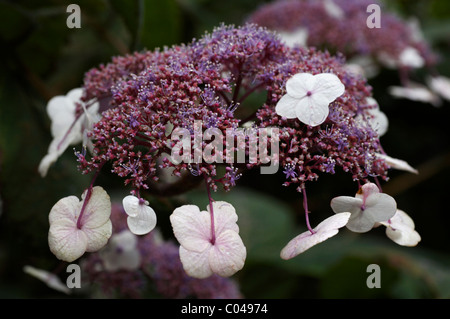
(440, 85)
(326, 229)
(377, 119)
(415, 92)
(51, 280)
(295, 38)
(200, 255)
(400, 228)
(308, 96)
(410, 57)
(397, 163)
(69, 238)
(368, 207)
(141, 217)
(121, 252)
(66, 128)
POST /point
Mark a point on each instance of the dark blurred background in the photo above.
(40, 58)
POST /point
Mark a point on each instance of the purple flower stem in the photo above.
(305, 206)
(211, 212)
(86, 199)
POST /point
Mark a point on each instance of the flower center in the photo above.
(309, 93)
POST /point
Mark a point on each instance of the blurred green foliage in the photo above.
(40, 57)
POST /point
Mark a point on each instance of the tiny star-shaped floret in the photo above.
(308, 96)
(326, 229)
(368, 207)
(201, 257)
(69, 238)
(141, 217)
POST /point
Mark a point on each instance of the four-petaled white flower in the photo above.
(51, 280)
(400, 228)
(397, 163)
(368, 207)
(202, 251)
(70, 234)
(308, 96)
(326, 229)
(141, 217)
(295, 38)
(66, 127)
(121, 252)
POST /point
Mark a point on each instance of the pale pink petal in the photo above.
(326, 229)
(131, 205)
(410, 57)
(196, 263)
(440, 85)
(66, 241)
(97, 210)
(66, 208)
(191, 227)
(286, 107)
(227, 255)
(98, 237)
(225, 217)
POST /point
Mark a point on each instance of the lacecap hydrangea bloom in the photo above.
(320, 116)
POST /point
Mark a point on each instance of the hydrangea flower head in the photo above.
(79, 226)
(202, 254)
(368, 207)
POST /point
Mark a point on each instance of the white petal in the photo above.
(75, 94)
(196, 263)
(286, 107)
(131, 205)
(397, 163)
(411, 57)
(125, 240)
(50, 279)
(191, 227)
(97, 210)
(46, 162)
(227, 255)
(440, 85)
(326, 229)
(380, 207)
(299, 84)
(312, 111)
(144, 222)
(329, 86)
(344, 204)
(66, 208)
